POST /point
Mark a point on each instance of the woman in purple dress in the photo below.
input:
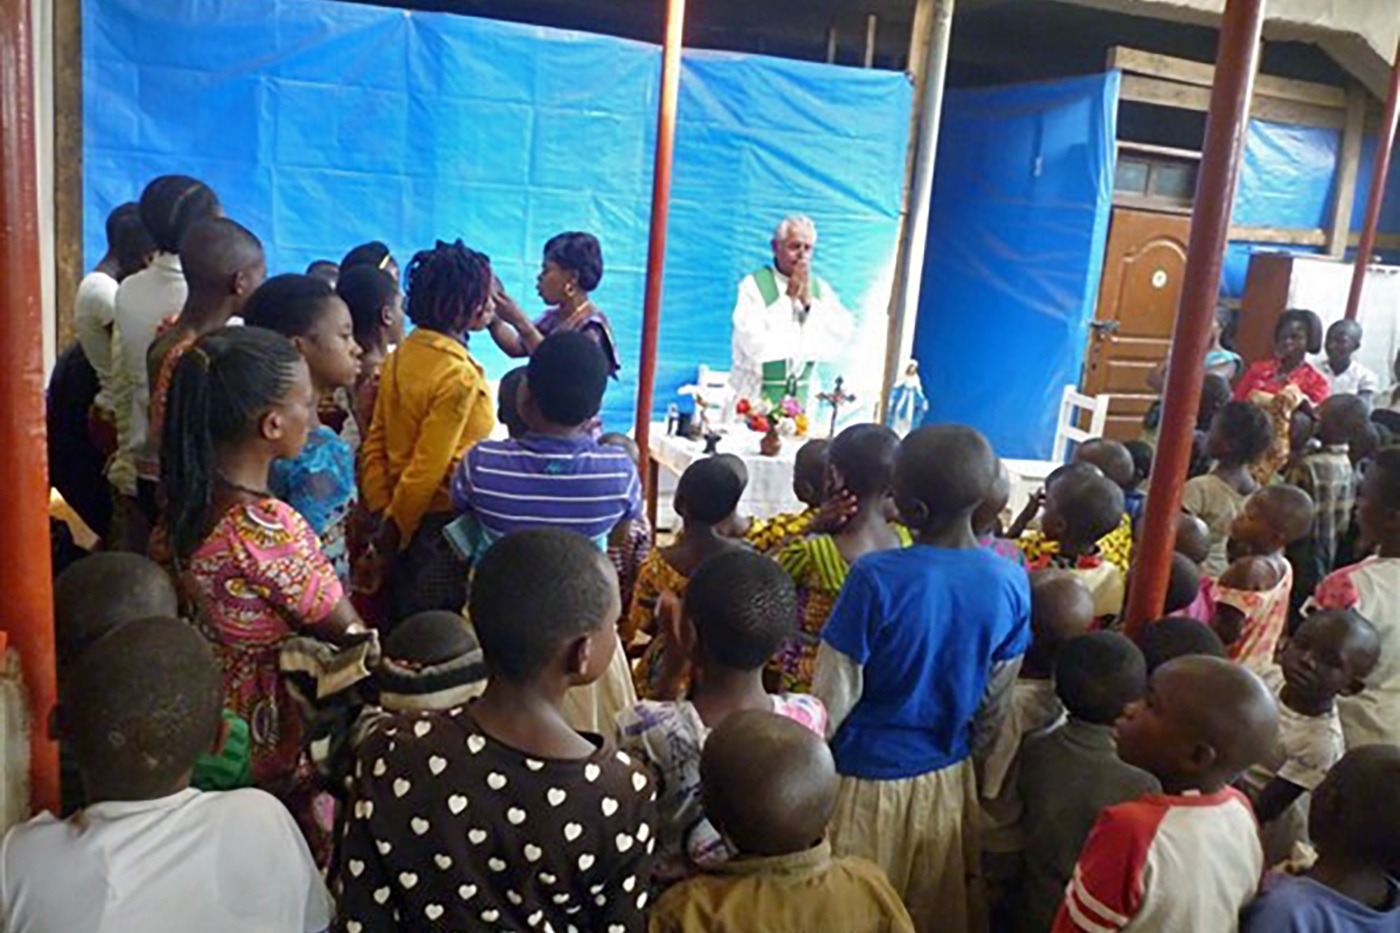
(573, 266)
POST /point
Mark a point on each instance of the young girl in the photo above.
(241, 398)
(376, 307)
(706, 495)
(862, 463)
(1239, 436)
(319, 482)
(433, 405)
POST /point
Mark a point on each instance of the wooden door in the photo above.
(1138, 298)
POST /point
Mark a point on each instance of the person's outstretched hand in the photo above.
(1028, 514)
(839, 508)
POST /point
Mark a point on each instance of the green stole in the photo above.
(778, 383)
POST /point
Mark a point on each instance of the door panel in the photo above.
(1138, 299)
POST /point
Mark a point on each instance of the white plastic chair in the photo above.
(1029, 475)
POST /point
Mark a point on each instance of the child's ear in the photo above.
(300, 343)
(386, 316)
(241, 284)
(1203, 757)
(577, 658)
(271, 426)
(914, 512)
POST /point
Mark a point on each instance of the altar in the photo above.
(770, 478)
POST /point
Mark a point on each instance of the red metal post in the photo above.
(660, 211)
(25, 572)
(1236, 64)
(1384, 150)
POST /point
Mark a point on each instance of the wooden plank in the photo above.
(68, 161)
(1290, 236)
(1192, 97)
(1169, 151)
(1202, 74)
(1348, 168)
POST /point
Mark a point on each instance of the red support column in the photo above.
(25, 572)
(660, 211)
(1384, 150)
(1236, 64)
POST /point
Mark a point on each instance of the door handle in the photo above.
(1104, 329)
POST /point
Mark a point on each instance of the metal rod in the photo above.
(831, 44)
(25, 572)
(1237, 62)
(1384, 150)
(660, 211)
(872, 24)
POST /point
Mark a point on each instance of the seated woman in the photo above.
(1285, 383)
(573, 267)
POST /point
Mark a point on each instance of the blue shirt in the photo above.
(926, 625)
(320, 484)
(1301, 905)
(573, 483)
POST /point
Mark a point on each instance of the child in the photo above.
(1071, 773)
(738, 610)
(707, 494)
(860, 463)
(918, 657)
(773, 807)
(1184, 585)
(1372, 588)
(1193, 542)
(627, 554)
(376, 307)
(770, 535)
(319, 481)
(1239, 436)
(149, 852)
(1177, 637)
(495, 814)
(1345, 376)
(241, 398)
(1188, 858)
(1326, 475)
(1251, 598)
(433, 405)
(1355, 826)
(325, 270)
(986, 521)
(1134, 496)
(1115, 462)
(508, 404)
(1329, 656)
(374, 254)
(1081, 507)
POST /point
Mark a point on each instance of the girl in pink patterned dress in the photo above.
(240, 398)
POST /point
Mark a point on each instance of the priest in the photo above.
(787, 320)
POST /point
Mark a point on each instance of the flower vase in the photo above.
(772, 444)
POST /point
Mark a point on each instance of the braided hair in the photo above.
(171, 204)
(447, 286)
(220, 388)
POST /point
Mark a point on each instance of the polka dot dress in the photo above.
(451, 830)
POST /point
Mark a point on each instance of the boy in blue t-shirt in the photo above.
(916, 667)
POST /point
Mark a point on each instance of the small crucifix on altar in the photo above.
(837, 397)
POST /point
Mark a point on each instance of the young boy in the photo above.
(1082, 507)
(1188, 858)
(1239, 436)
(1329, 656)
(1355, 825)
(774, 808)
(149, 852)
(739, 608)
(1193, 542)
(770, 535)
(986, 521)
(496, 814)
(1184, 585)
(1134, 496)
(1115, 462)
(919, 655)
(508, 404)
(1345, 375)
(1326, 474)
(1177, 637)
(1068, 775)
(1372, 588)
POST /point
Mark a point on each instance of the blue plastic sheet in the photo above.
(324, 124)
(1017, 230)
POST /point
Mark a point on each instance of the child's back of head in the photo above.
(708, 492)
(508, 403)
(1341, 417)
(743, 606)
(1240, 434)
(809, 472)
(1142, 455)
(1098, 675)
(1062, 609)
(1177, 637)
(1193, 538)
(564, 382)
(1081, 507)
(1111, 457)
(431, 660)
(942, 473)
(102, 592)
(1355, 816)
(1184, 586)
(861, 459)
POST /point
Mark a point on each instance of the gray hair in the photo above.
(799, 221)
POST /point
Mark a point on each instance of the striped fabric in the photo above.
(572, 483)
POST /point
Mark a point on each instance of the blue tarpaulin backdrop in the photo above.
(324, 124)
(1016, 238)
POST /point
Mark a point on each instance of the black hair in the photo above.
(446, 286)
(367, 291)
(534, 592)
(864, 454)
(1353, 809)
(578, 253)
(1351, 325)
(567, 375)
(216, 249)
(809, 466)
(170, 204)
(1177, 637)
(221, 386)
(127, 237)
(1097, 675)
(289, 304)
(428, 638)
(1142, 455)
(1387, 461)
(141, 705)
(1092, 506)
(324, 269)
(743, 607)
(1247, 430)
(709, 490)
(508, 402)
(1184, 585)
(374, 254)
(1215, 393)
(1111, 457)
(946, 467)
(1312, 325)
(102, 591)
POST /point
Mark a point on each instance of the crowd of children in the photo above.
(381, 672)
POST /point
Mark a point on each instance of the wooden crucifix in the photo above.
(837, 397)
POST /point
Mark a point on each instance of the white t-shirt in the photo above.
(229, 862)
(94, 311)
(1357, 380)
(1372, 588)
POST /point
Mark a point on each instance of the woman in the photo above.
(1285, 384)
(573, 266)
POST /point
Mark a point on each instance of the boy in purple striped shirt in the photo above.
(556, 475)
